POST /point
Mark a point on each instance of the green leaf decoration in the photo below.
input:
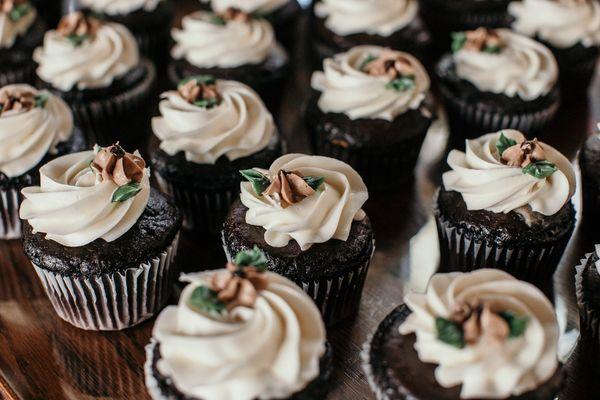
(517, 324)
(458, 40)
(492, 49)
(259, 181)
(204, 299)
(216, 20)
(504, 143)
(401, 84)
(314, 181)
(370, 58)
(126, 192)
(254, 257)
(540, 169)
(210, 103)
(41, 99)
(78, 40)
(450, 332)
(19, 12)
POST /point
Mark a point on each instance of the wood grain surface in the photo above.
(44, 358)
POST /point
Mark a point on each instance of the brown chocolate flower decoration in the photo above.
(16, 101)
(78, 25)
(390, 64)
(483, 39)
(480, 321)
(7, 6)
(113, 163)
(235, 14)
(238, 285)
(523, 154)
(290, 186)
(200, 92)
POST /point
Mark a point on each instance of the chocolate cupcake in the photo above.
(282, 14)
(571, 29)
(239, 333)
(148, 20)
(371, 108)
(35, 127)
(497, 79)
(587, 286)
(506, 204)
(305, 214)
(22, 31)
(96, 68)
(101, 241)
(209, 130)
(480, 335)
(589, 164)
(339, 25)
(234, 46)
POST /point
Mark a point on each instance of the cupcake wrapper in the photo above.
(337, 298)
(203, 210)
(155, 45)
(122, 117)
(576, 78)
(10, 224)
(24, 74)
(112, 301)
(589, 319)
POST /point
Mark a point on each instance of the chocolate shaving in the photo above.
(480, 321)
(481, 39)
(235, 14)
(115, 164)
(193, 91)
(523, 154)
(78, 24)
(390, 64)
(238, 285)
(290, 187)
(16, 101)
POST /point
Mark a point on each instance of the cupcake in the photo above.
(101, 241)
(234, 46)
(305, 214)
(571, 29)
(506, 204)
(148, 20)
(443, 17)
(96, 68)
(497, 79)
(589, 164)
(282, 14)
(477, 335)
(35, 127)
(22, 30)
(209, 130)
(339, 25)
(587, 286)
(239, 333)
(371, 107)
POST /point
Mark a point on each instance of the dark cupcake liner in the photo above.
(22, 74)
(155, 45)
(576, 77)
(122, 117)
(112, 301)
(535, 264)
(589, 318)
(337, 297)
(10, 224)
(202, 209)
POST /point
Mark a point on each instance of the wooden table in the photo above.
(42, 357)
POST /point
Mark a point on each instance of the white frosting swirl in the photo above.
(486, 183)
(120, 7)
(239, 126)
(206, 44)
(73, 206)
(10, 30)
(562, 23)
(523, 68)
(268, 352)
(327, 214)
(95, 63)
(486, 370)
(249, 6)
(375, 17)
(26, 136)
(346, 89)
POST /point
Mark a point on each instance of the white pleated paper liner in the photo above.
(589, 319)
(337, 298)
(10, 224)
(115, 300)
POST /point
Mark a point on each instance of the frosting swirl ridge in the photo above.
(11, 28)
(120, 7)
(375, 17)
(249, 6)
(346, 87)
(269, 351)
(487, 183)
(498, 360)
(28, 133)
(327, 213)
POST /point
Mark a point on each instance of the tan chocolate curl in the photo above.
(235, 14)
(77, 23)
(16, 101)
(480, 321)
(523, 154)
(7, 6)
(482, 38)
(290, 186)
(238, 285)
(113, 163)
(390, 64)
(193, 91)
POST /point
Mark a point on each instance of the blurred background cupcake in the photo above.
(305, 213)
(22, 30)
(339, 25)
(101, 241)
(233, 45)
(371, 108)
(49, 10)
(209, 130)
(571, 29)
(587, 287)
(497, 79)
(506, 204)
(589, 164)
(35, 127)
(96, 68)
